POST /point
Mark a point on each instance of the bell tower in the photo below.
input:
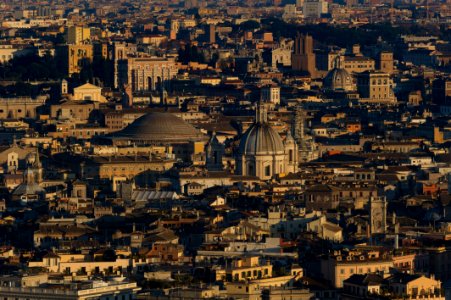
(291, 153)
(214, 152)
(385, 62)
(64, 87)
(378, 215)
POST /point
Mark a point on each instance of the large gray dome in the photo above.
(261, 139)
(338, 79)
(157, 127)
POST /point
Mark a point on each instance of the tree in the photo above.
(249, 25)
(109, 255)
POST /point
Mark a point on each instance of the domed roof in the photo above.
(159, 127)
(338, 79)
(261, 139)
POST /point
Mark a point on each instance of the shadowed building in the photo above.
(74, 57)
(21, 107)
(303, 58)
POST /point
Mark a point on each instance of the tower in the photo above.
(64, 87)
(303, 141)
(291, 152)
(378, 215)
(303, 58)
(13, 162)
(29, 189)
(261, 113)
(385, 62)
(33, 175)
(298, 124)
(355, 50)
(37, 168)
(211, 33)
(214, 152)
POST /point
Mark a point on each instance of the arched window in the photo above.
(149, 83)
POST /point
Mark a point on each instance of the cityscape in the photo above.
(230, 149)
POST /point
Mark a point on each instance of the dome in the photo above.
(338, 79)
(159, 127)
(260, 138)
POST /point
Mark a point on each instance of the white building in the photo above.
(8, 52)
(117, 288)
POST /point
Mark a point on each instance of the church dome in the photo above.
(261, 139)
(338, 79)
(157, 127)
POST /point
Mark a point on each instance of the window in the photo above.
(268, 171)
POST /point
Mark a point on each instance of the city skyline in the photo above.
(246, 150)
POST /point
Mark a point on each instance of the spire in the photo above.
(213, 139)
(289, 136)
(37, 161)
(337, 62)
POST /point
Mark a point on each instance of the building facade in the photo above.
(22, 107)
(145, 74)
(375, 87)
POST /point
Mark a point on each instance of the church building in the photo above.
(263, 153)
